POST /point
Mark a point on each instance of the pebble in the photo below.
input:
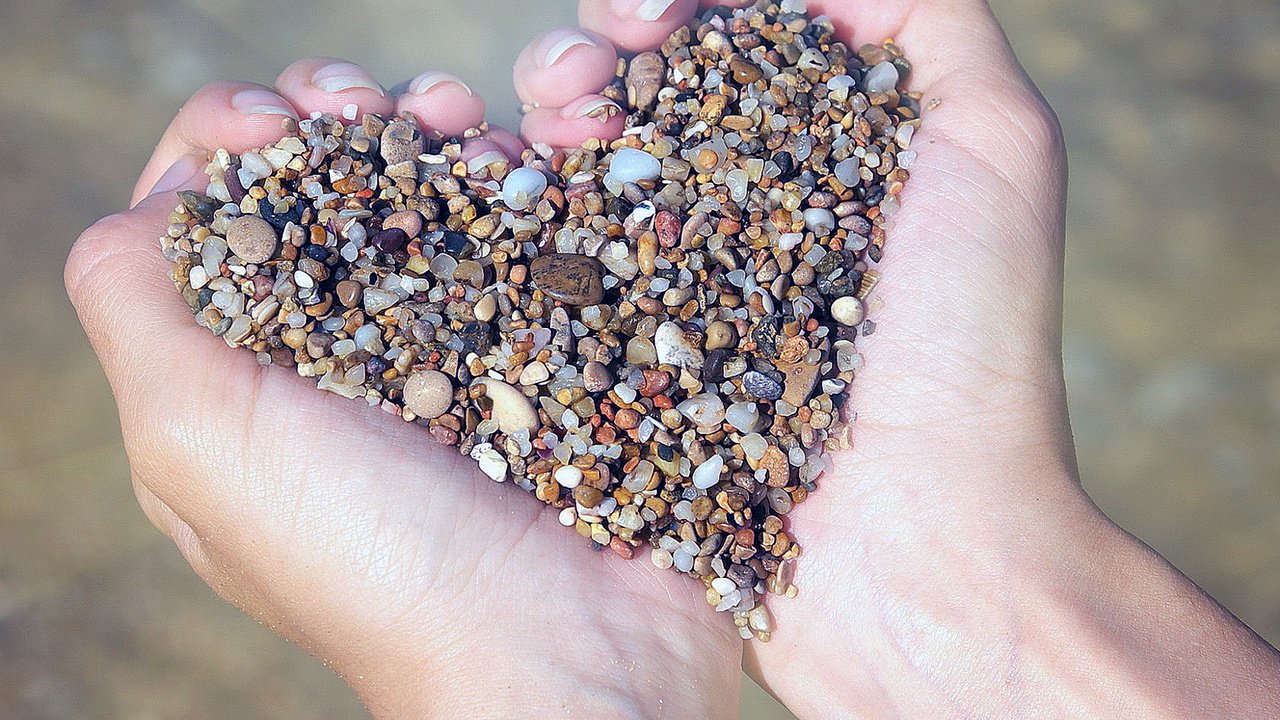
(708, 473)
(568, 476)
(252, 239)
(848, 310)
(428, 393)
(486, 307)
(646, 74)
(407, 221)
(757, 384)
(571, 278)
(721, 334)
(596, 377)
(630, 166)
(511, 408)
(523, 187)
(676, 347)
(491, 462)
(882, 77)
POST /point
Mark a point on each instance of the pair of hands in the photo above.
(952, 563)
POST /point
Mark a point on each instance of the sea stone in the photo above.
(428, 393)
(511, 408)
(801, 379)
(645, 77)
(677, 347)
(571, 278)
(848, 310)
(401, 142)
(253, 239)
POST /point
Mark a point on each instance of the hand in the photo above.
(428, 587)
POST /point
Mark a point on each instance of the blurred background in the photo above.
(1172, 310)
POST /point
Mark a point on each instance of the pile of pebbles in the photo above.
(653, 335)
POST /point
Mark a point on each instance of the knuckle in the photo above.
(1040, 125)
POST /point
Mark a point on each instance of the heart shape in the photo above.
(653, 335)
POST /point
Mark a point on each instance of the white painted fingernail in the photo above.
(651, 10)
(255, 101)
(432, 78)
(602, 108)
(342, 76)
(570, 40)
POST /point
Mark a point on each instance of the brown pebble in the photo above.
(349, 293)
(596, 377)
(571, 278)
(646, 74)
(743, 71)
(253, 239)
(627, 419)
(587, 496)
(721, 334)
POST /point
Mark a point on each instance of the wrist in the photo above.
(604, 669)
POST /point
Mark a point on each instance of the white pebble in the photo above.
(708, 473)
(882, 77)
(523, 187)
(630, 165)
(724, 586)
(490, 461)
(568, 476)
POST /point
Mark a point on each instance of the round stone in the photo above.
(721, 334)
(428, 393)
(568, 476)
(523, 187)
(630, 165)
(253, 239)
(596, 377)
(757, 384)
(848, 310)
(571, 278)
(409, 221)
(486, 307)
(349, 293)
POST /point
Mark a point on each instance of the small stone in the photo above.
(401, 142)
(744, 416)
(486, 307)
(376, 300)
(534, 373)
(349, 293)
(596, 377)
(630, 165)
(490, 461)
(721, 334)
(676, 347)
(776, 467)
(587, 496)
(646, 74)
(708, 473)
(511, 408)
(661, 558)
(568, 476)
(883, 77)
(744, 72)
(757, 384)
(801, 379)
(252, 239)
(407, 221)
(428, 393)
(571, 278)
(523, 187)
(705, 410)
(848, 310)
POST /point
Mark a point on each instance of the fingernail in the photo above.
(597, 107)
(422, 84)
(181, 173)
(261, 102)
(342, 76)
(561, 43)
(651, 10)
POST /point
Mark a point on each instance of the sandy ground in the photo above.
(1172, 330)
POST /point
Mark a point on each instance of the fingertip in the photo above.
(442, 102)
(507, 141)
(328, 85)
(635, 25)
(563, 64)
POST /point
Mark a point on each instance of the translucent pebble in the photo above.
(819, 221)
(631, 165)
(523, 187)
(723, 585)
(682, 560)
(690, 547)
(708, 473)
(367, 335)
(745, 416)
(788, 241)
(705, 410)
(661, 558)
(342, 348)
(882, 78)
(847, 171)
(754, 445)
(569, 516)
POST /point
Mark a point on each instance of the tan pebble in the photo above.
(486, 307)
(721, 334)
(428, 393)
(569, 277)
(252, 239)
(848, 310)
(349, 293)
(410, 221)
(511, 408)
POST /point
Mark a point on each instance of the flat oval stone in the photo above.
(571, 278)
(511, 408)
(252, 239)
(428, 393)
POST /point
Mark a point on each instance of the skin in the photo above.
(953, 566)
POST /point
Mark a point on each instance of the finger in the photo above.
(588, 117)
(442, 103)
(635, 25)
(506, 141)
(237, 116)
(562, 65)
(942, 38)
(326, 85)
